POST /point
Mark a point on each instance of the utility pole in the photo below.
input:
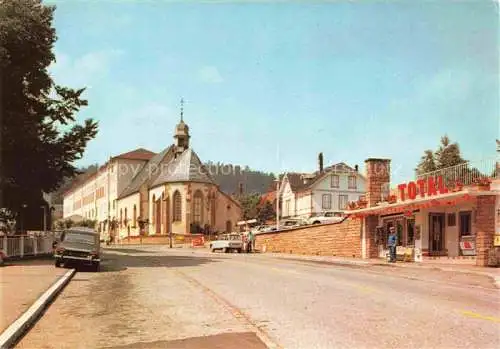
(278, 190)
(44, 217)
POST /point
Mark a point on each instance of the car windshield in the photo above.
(80, 237)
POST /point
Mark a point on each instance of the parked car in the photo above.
(264, 229)
(228, 243)
(78, 246)
(326, 217)
(290, 223)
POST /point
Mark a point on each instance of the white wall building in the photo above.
(329, 189)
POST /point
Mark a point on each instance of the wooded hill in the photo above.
(229, 177)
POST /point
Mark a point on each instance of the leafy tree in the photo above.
(266, 212)
(427, 163)
(40, 139)
(64, 224)
(89, 223)
(249, 205)
(447, 155)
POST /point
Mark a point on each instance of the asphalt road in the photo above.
(152, 297)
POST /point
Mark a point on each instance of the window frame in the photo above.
(343, 207)
(352, 182)
(332, 181)
(198, 207)
(460, 225)
(329, 197)
(177, 207)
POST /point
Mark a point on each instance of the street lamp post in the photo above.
(278, 191)
(44, 217)
(22, 216)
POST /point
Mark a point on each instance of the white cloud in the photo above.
(85, 69)
(210, 74)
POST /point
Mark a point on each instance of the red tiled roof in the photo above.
(137, 154)
(269, 196)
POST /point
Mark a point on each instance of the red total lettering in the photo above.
(441, 186)
(402, 188)
(431, 187)
(412, 190)
(421, 187)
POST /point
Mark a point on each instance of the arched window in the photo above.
(177, 207)
(198, 207)
(121, 217)
(126, 220)
(134, 218)
(229, 227)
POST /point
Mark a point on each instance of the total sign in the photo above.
(435, 186)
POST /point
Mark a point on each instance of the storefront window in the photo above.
(399, 230)
(410, 228)
(465, 223)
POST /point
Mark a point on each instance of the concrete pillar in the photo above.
(377, 176)
(485, 228)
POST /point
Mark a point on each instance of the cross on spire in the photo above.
(182, 109)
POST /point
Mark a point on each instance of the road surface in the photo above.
(153, 297)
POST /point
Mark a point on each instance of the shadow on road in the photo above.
(124, 250)
(29, 261)
(115, 263)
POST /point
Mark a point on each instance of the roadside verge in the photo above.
(14, 332)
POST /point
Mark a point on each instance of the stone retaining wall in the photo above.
(337, 239)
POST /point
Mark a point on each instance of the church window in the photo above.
(177, 207)
(198, 207)
(134, 218)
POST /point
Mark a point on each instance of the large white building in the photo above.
(328, 189)
(170, 190)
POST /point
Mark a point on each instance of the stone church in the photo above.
(174, 192)
(166, 192)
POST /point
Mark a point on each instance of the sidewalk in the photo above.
(493, 273)
(21, 283)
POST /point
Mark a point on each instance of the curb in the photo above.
(14, 332)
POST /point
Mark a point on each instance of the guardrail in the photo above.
(19, 246)
(466, 173)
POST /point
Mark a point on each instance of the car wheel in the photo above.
(224, 250)
(316, 222)
(57, 263)
(213, 250)
(96, 267)
(239, 250)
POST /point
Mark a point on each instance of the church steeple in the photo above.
(181, 135)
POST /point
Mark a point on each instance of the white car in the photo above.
(326, 217)
(228, 243)
(290, 223)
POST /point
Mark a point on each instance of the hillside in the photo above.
(229, 177)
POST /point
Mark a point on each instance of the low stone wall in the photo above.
(177, 239)
(336, 239)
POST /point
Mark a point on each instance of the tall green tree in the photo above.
(249, 204)
(447, 155)
(40, 139)
(427, 162)
(266, 212)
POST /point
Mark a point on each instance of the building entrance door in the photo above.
(436, 233)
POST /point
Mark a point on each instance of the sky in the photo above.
(271, 84)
